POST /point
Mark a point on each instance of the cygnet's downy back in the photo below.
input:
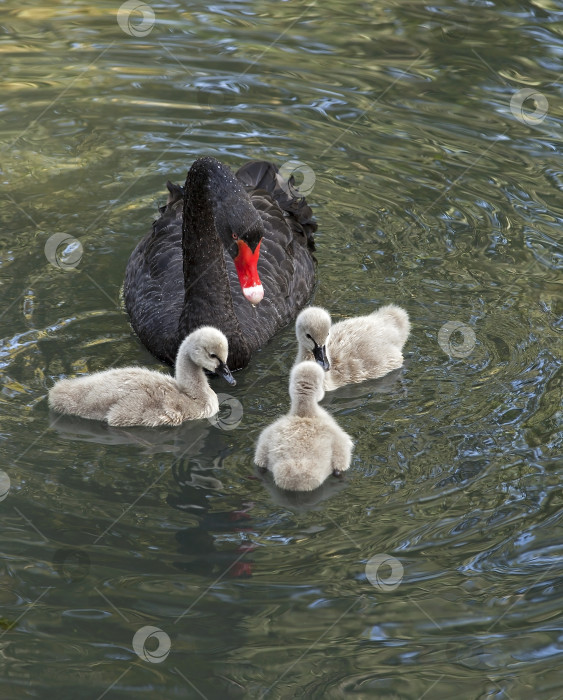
(307, 445)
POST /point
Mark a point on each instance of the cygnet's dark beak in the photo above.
(223, 371)
(319, 353)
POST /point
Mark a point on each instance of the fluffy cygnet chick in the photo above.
(356, 349)
(139, 396)
(307, 445)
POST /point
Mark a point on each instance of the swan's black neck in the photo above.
(207, 293)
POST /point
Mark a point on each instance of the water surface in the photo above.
(437, 186)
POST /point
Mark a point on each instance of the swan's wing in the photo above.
(154, 281)
(175, 198)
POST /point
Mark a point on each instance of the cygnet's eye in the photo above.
(213, 356)
(310, 337)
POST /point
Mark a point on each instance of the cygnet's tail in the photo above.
(398, 317)
(297, 475)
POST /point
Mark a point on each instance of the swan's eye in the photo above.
(213, 356)
(234, 235)
(310, 337)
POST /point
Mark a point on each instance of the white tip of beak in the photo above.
(254, 294)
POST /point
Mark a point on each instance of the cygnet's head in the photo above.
(207, 347)
(312, 329)
(306, 379)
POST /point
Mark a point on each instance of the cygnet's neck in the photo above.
(189, 376)
(303, 354)
(304, 406)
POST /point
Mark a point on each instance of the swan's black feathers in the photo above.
(175, 197)
(263, 181)
(154, 282)
(175, 193)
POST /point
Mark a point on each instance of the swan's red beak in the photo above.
(246, 265)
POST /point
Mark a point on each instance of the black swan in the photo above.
(216, 241)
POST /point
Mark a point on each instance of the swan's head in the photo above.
(306, 379)
(246, 261)
(312, 329)
(207, 347)
(237, 222)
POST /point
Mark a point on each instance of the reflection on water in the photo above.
(437, 181)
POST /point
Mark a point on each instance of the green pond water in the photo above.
(142, 563)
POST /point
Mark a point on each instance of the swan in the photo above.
(307, 445)
(216, 240)
(364, 347)
(139, 396)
